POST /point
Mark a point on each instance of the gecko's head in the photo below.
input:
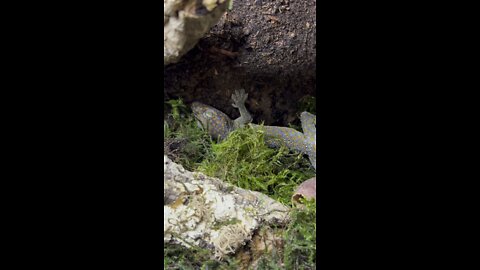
(204, 114)
(216, 123)
(199, 110)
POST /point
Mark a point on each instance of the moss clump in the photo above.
(301, 238)
(178, 257)
(243, 159)
(299, 242)
(183, 141)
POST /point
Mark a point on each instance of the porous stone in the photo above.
(209, 213)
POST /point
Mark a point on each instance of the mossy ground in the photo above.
(244, 160)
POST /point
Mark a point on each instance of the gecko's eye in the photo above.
(208, 113)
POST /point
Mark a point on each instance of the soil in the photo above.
(267, 47)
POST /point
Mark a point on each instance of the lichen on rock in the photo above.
(206, 212)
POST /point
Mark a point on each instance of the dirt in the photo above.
(267, 47)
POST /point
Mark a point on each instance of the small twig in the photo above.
(224, 52)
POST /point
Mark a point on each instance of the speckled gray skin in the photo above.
(219, 125)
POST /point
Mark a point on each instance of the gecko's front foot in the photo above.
(239, 98)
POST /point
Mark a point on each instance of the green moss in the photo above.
(271, 261)
(301, 238)
(244, 160)
(184, 142)
(178, 257)
(299, 251)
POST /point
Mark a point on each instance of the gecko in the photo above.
(219, 125)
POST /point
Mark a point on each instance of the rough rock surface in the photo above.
(206, 212)
(185, 22)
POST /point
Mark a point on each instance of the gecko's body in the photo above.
(219, 125)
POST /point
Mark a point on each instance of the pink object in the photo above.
(307, 189)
